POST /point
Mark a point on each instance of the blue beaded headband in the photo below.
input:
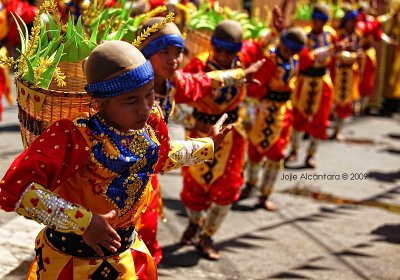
(123, 83)
(319, 15)
(350, 15)
(296, 47)
(229, 46)
(162, 42)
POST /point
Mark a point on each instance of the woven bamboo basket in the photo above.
(58, 102)
(196, 42)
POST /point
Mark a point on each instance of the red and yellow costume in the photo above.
(217, 181)
(312, 99)
(345, 75)
(270, 131)
(82, 166)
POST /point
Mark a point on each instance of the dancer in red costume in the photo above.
(209, 189)
(270, 132)
(345, 69)
(312, 99)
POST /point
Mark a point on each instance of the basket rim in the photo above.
(52, 92)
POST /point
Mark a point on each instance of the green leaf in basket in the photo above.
(23, 38)
(70, 27)
(54, 30)
(71, 50)
(93, 37)
(137, 20)
(47, 76)
(79, 28)
(108, 30)
(52, 47)
(83, 49)
(43, 34)
(130, 35)
(29, 75)
(129, 10)
(122, 30)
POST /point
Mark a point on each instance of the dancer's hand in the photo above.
(277, 18)
(99, 232)
(217, 133)
(253, 68)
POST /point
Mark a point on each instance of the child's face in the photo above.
(350, 25)
(317, 25)
(166, 61)
(130, 110)
(223, 57)
(285, 51)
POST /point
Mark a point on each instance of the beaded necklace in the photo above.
(132, 165)
(289, 66)
(226, 93)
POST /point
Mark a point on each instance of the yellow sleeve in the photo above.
(43, 206)
(225, 78)
(189, 152)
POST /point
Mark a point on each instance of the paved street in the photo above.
(342, 222)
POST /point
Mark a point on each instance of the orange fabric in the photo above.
(134, 263)
(346, 79)
(218, 180)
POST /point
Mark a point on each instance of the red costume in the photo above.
(271, 131)
(218, 181)
(345, 75)
(272, 116)
(312, 99)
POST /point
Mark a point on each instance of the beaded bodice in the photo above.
(131, 162)
(228, 93)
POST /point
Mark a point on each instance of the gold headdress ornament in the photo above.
(154, 28)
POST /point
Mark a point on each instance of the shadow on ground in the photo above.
(388, 233)
(9, 128)
(387, 177)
